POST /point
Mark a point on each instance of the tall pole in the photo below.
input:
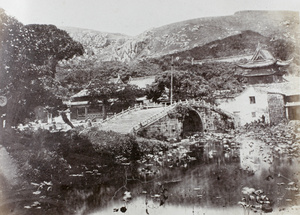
(172, 82)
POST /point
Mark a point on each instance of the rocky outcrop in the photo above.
(131, 50)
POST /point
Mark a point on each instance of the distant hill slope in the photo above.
(239, 44)
(187, 35)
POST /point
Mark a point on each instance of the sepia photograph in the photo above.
(149, 107)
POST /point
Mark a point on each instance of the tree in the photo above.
(108, 93)
(143, 68)
(127, 94)
(282, 49)
(196, 81)
(47, 45)
(28, 57)
(186, 85)
(103, 91)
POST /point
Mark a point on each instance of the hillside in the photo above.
(187, 35)
(240, 44)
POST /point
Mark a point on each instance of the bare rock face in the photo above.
(131, 50)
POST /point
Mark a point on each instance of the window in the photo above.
(253, 114)
(252, 99)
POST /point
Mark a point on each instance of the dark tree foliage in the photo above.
(47, 45)
(78, 73)
(186, 85)
(82, 71)
(128, 94)
(144, 68)
(109, 93)
(282, 49)
(196, 81)
(28, 57)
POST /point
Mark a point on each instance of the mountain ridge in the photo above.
(186, 35)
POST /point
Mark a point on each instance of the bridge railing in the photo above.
(204, 104)
(158, 116)
(127, 111)
(154, 118)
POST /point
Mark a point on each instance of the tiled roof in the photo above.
(287, 88)
(263, 54)
(82, 93)
(259, 72)
(262, 58)
(257, 64)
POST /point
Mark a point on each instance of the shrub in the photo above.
(113, 144)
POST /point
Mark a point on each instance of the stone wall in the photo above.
(170, 127)
(165, 128)
(276, 108)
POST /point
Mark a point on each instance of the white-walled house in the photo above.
(276, 101)
(248, 106)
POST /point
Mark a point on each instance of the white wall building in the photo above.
(257, 100)
(248, 106)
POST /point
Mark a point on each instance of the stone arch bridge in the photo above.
(177, 120)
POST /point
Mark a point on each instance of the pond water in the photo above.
(214, 174)
(205, 177)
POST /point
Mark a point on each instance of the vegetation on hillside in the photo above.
(243, 43)
(152, 52)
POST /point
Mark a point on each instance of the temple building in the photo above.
(263, 68)
(81, 109)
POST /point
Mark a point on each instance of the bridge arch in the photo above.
(191, 123)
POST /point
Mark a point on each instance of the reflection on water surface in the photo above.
(206, 177)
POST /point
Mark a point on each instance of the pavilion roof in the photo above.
(263, 58)
(258, 72)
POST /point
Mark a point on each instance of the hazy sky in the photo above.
(130, 16)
